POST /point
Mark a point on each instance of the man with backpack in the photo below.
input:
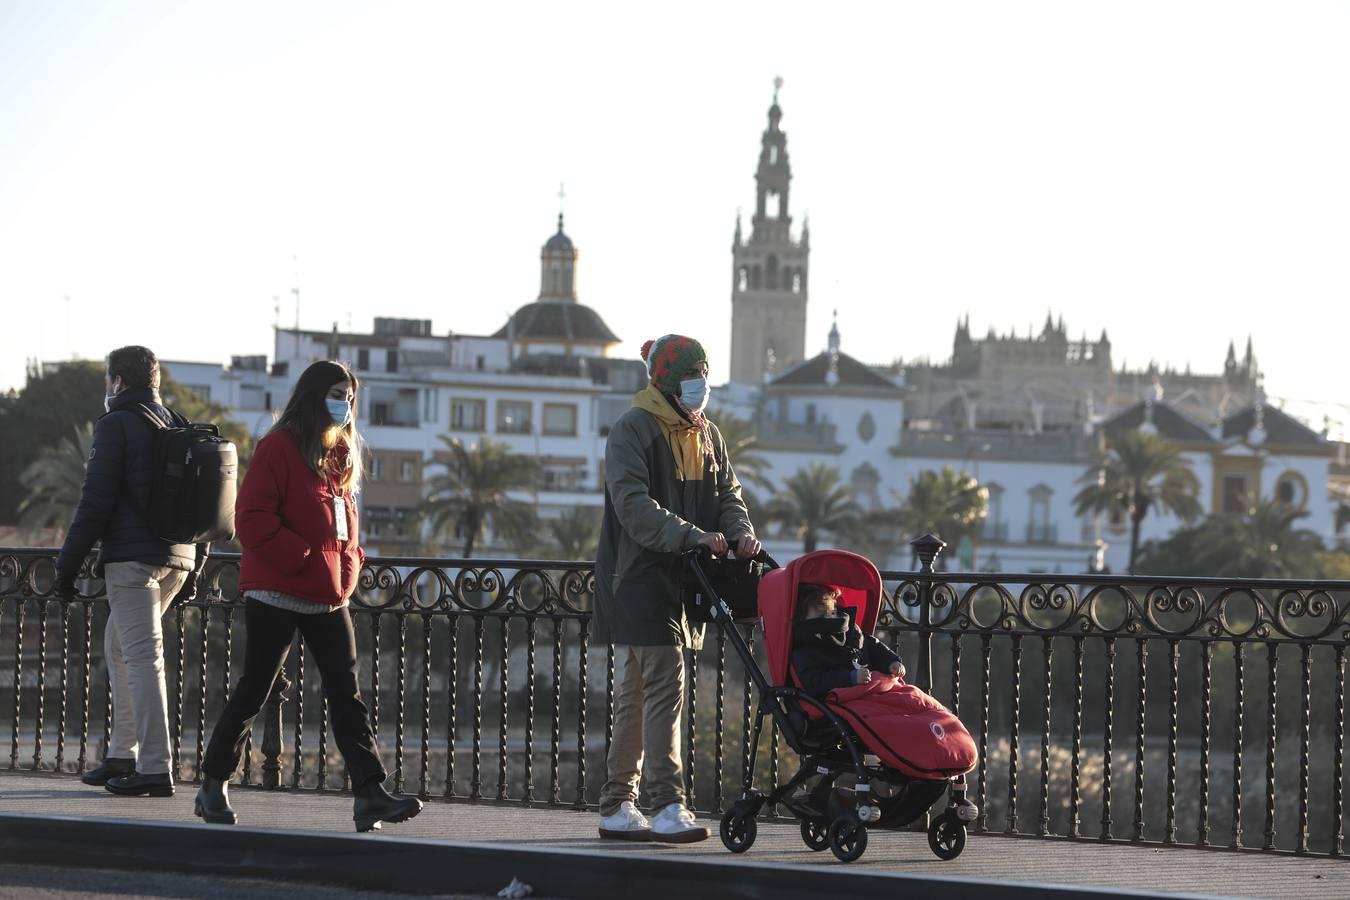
(144, 573)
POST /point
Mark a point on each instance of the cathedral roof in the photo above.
(1281, 428)
(814, 372)
(1171, 424)
(561, 320)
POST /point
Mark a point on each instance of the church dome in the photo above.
(559, 243)
(551, 320)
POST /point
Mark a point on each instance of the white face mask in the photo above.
(694, 393)
(108, 398)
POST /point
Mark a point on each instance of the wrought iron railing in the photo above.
(485, 684)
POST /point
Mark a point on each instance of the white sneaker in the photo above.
(676, 825)
(626, 825)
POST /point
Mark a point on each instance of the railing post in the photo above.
(926, 548)
(271, 741)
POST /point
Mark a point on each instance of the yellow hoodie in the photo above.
(686, 440)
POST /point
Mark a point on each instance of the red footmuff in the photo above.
(907, 729)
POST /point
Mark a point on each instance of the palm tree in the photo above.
(575, 534)
(743, 450)
(54, 481)
(949, 504)
(475, 488)
(813, 501)
(1263, 543)
(1139, 472)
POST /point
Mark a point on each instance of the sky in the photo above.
(1172, 172)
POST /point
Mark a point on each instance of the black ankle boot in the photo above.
(213, 802)
(375, 805)
(112, 767)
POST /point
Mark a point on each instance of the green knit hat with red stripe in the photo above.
(669, 358)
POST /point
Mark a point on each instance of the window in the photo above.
(363, 360)
(201, 390)
(1234, 495)
(742, 278)
(560, 418)
(391, 360)
(796, 281)
(376, 467)
(515, 417)
(1039, 528)
(480, 362)
(406, 469)
(771, 273)
(773, 155)
(561, 474)
(1292, 490)
(467, 415)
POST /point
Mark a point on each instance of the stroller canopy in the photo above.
(854, 576)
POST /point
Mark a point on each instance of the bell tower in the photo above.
(769, 271)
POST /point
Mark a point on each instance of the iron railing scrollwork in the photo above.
(485, 682)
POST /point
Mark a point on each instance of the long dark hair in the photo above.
(306, 416)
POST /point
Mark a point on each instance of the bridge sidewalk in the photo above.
(992, 858)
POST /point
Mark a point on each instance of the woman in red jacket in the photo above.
(296, 519)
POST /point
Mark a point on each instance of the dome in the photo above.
(558, 321)
(559, 243)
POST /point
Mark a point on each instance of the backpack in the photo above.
(193, 481)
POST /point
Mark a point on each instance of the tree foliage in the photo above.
(1138, 473)
(949, 504)
(814, 502)
(475, 489)
(53, 483)
(1266, 542)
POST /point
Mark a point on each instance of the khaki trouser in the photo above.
(648, 701)
(133, 644)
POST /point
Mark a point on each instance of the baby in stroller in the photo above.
(829, 650)
(874, 751)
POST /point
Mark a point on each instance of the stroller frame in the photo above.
(830, 750)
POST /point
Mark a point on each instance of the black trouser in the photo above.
(332, 644)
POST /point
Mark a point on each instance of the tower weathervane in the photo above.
(777, 85)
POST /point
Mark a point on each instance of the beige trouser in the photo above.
(648, 701)
(133, 644)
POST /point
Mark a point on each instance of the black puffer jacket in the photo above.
(116, 487)
(827, 651)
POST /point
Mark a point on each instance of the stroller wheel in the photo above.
(848, 838)
(816, 833)
(946, 837)
(738, 832)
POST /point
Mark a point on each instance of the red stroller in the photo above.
(867, 760)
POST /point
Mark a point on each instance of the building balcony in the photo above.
(1042, 533)
(813, 436)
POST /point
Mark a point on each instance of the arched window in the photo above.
(796, 281)
(771, 273)
(742, 278)
(773, 204)
(773, 156)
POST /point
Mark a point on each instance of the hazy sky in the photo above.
(1177, 173)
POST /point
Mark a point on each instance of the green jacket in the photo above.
(650, 516)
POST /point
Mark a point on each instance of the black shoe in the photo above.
(375, 805)
(111, 768)
(138, 785)
(213, 802)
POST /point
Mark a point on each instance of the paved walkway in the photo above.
(995, 858)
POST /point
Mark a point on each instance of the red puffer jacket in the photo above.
(284, 518)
